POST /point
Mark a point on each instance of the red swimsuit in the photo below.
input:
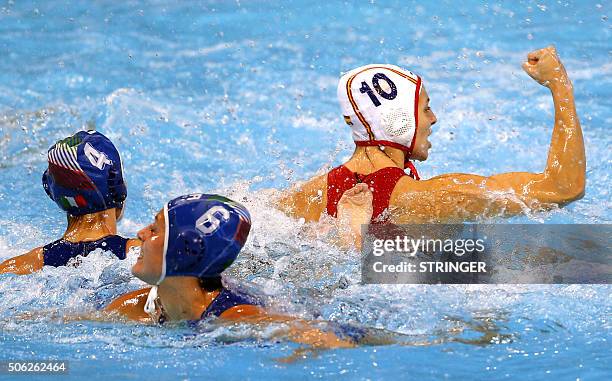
(381, 182)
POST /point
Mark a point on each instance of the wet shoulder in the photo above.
(307, 200)
(403, 186)
(237, 299)
(59, 252)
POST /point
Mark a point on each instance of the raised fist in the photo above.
(546, 68)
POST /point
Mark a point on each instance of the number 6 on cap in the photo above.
(209, 221)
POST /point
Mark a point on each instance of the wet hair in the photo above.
(211, 284)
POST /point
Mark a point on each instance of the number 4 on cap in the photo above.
(96, 158)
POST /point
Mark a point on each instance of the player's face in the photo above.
(426, 119)
(148, 266)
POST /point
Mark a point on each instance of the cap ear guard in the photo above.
(191, 244)
(45, 182)
(397, 123)
(188, 251)
(116, 187)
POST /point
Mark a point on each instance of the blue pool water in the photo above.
(239, 98)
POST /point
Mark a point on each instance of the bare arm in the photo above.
(131, 306)
(299, 330)
(33, 260)
(465, 196)
(24, 264)
(307, 200)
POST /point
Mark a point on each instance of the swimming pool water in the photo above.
(240, 98)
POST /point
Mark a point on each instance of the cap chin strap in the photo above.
(385, 143)
(150, 307)
(413, 171)
(121, 211)
(165, 252)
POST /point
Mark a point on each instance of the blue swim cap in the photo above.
(204, 234)
(85, 174)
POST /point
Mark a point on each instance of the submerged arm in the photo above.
(130, 306)
(298, 330)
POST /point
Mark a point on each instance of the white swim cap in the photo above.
(380, 104)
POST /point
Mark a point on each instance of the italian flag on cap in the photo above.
(76, 201)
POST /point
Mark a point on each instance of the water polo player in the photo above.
(387, 109)
(85, 179)
(193, 239)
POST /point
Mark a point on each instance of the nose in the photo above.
(433, 118)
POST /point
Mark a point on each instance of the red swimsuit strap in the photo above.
(381, 182)
(339, 180)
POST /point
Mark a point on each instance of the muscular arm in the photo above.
(464, 196)
(307, 200)
(24, 264)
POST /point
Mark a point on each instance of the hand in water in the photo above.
(545, 67)
(355, 209)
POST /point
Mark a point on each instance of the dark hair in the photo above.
(211, 284)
